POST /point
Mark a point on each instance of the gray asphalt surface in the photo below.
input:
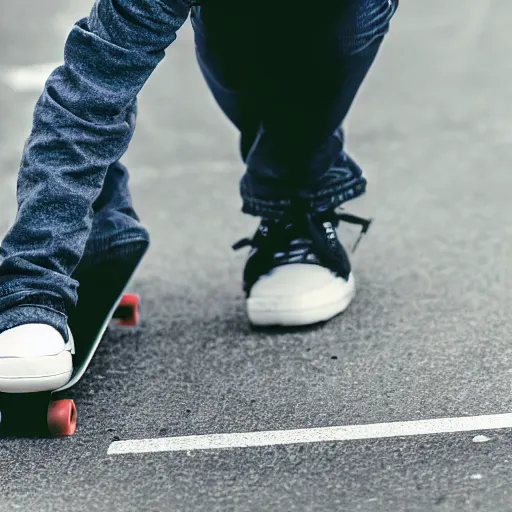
(428, 335)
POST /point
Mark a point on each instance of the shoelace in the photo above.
(343, 216)
(350, 218)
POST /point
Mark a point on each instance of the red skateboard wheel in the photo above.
(130, 308)
(62, 418)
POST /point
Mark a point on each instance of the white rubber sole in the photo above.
(35, 374)
(300, 310)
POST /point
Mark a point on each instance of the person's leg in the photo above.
(288, 92)
(314, 78)
(223, 54)
(115, 224)
(83, 123)
(299, 272)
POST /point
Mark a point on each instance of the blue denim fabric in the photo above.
(286, 79)
(288, 89)
(83, 123)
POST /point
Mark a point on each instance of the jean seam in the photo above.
(336, 196)
(267, 202)
(33, 298)
(337, 189)
(15, 287)
(42, 306)
(119, 241)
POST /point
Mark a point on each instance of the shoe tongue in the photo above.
(294, 227)
(295, 236)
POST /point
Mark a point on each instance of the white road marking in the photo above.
(481, 439)
(28, 78)
(313, 435)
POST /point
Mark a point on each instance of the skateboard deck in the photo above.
(101, 299)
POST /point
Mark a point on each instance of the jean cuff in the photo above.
(34, 314)
(317, 202)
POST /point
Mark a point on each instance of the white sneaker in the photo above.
(33, 358)
(299, 294)
(298, 272)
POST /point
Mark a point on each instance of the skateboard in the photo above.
(101, 300)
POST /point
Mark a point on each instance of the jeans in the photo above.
(286, 77)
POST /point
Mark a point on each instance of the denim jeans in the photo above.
(285, 76)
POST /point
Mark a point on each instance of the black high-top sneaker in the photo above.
(298, 272)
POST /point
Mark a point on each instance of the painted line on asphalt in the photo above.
(313, 435)
(28, 78)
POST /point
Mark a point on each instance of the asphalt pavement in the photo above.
(428, 335)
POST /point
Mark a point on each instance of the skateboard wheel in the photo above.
(62, 418)
(128, 311)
